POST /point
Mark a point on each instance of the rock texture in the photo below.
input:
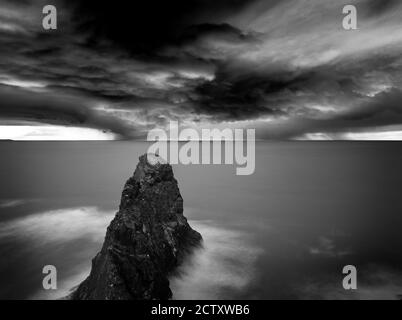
(146, 240)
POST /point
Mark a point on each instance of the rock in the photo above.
(145, 242)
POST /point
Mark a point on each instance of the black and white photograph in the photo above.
(200, 150)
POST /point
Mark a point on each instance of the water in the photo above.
(283, 233)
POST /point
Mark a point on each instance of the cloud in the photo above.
(48, 132)
(286, 68)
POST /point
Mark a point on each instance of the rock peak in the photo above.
(147, 239)
(152, 168)
(153, 159)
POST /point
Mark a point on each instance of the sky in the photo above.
(117, 69)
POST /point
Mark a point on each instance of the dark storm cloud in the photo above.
(146, 26)
(57, 110)
(283, 67)
(238, 100)
(383, 111)
(378, 7)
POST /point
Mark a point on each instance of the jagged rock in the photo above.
(146, 240)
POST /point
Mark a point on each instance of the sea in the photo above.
(285, 232)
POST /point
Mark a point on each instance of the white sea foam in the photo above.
(225, 263)
(59, 225)
(11, 203)
(53, 236)
(376, 283)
